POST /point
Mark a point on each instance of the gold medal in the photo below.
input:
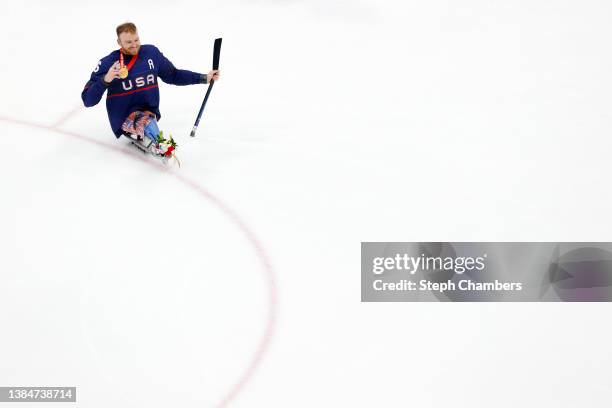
(123, 71)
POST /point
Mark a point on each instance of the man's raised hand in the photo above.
(113, 72)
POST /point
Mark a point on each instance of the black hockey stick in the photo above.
(216, 52)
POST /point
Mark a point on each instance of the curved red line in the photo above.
(265, 341)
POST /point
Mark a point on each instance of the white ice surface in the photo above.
(334, 123)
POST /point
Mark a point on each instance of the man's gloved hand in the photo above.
(152, 131)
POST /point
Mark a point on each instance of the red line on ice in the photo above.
(67, 116)
(264, 342)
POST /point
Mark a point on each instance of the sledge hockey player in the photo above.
(130, 75)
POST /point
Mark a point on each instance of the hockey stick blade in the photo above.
(217, 53)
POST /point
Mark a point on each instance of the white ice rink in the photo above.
(235, 280)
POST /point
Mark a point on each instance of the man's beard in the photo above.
(131, 52)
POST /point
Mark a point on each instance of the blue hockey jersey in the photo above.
(139, 91)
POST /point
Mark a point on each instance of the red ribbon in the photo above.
(131, 64)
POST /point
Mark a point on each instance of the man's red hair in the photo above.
(126, 28)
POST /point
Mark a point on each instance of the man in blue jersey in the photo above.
(130, 78)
